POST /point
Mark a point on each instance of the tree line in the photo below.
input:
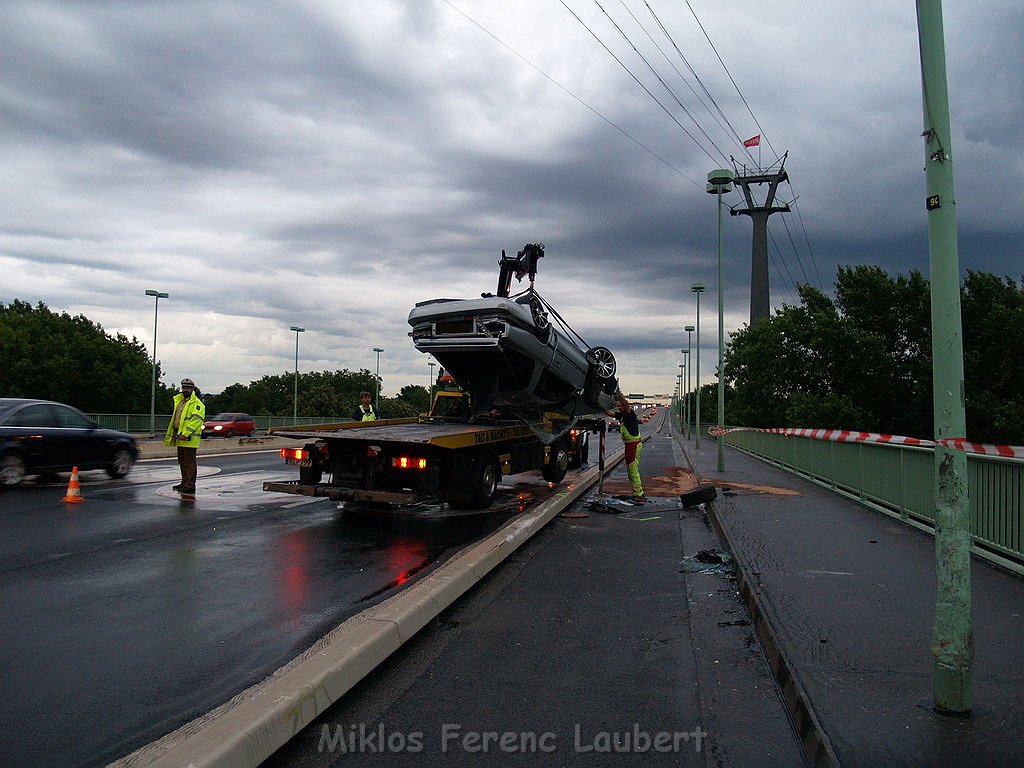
(862, 360)
(858, 360)
(70, 359)
(321, 394)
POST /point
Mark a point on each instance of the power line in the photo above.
(696, 77)
(561, 87)
(731, 79)
(635, 78)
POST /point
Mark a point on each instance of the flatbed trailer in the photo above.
(406, 461)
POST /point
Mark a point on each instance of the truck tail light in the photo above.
(408, 462)
(298, 454)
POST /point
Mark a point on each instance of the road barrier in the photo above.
(896, 475)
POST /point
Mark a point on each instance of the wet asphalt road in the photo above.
(131, 613)
(601, 631)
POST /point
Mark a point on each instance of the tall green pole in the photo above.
(721, 345)
(698, 288)
(679, 389)
(295, 398)
(952, 636)
(689, 365)
(719, 181)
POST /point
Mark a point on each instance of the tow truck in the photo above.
(445, 455)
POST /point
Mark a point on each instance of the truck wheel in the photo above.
(485, 481)
(554, 471)
(310, 474)
(478, 492)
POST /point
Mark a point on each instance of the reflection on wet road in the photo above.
(137, 610)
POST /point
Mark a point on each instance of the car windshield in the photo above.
(223, 417)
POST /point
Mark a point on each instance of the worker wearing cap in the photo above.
(184, 431)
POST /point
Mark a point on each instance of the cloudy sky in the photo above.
(329, 163)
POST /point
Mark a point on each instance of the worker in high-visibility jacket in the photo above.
(364, 411)
(184, 431)
(629, 428)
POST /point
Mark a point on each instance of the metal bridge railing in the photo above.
(138, 424)
(899, 480)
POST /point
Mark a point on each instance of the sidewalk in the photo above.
(843, 598)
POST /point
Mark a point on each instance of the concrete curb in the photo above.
(246, 730)
(814, 740)
(155, 449)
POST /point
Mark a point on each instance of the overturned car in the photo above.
(506, 351)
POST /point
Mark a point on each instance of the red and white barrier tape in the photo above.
(849, 436)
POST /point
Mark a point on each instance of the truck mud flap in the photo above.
(343, 494)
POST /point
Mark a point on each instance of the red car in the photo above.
(229, 425)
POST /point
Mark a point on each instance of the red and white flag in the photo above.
(753, 141)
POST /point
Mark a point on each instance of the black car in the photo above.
(40, 437)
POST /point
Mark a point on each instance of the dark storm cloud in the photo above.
(334, 162)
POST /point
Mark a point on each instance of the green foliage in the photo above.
(863, 360)
(321, 393)
(396, 408)
(73, 360)
(993, 319)
(417, 397)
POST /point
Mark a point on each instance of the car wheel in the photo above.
(558, 463)
(120, 463)
(12, 470)
(603, 361)
(541, 321)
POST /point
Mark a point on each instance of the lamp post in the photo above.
(689, 330)
(682, 396)
(295, 404)
(719, 182)
(684, 387)
(376, 399)
(157, 295)
(698, 288)
(430, 386)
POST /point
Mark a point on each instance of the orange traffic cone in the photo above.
(74, 494)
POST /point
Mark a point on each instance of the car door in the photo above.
(39, 440)
(82, 445)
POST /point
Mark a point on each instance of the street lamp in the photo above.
(295, 404)
(430, 386)
(679, 389)
(152, 397)
(698, 288)
(689, 365)
(719, 182)
(376, 399)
